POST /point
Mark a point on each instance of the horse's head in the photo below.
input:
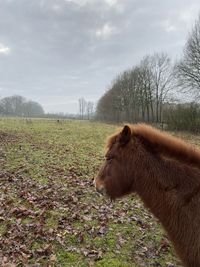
(115, 177)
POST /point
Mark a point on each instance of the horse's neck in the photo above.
(154, 183)
(159, 186)
(164, 185)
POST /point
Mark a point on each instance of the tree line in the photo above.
(19, 106)
(149, 90)
(138, 94)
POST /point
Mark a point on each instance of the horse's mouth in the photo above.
(101, 190)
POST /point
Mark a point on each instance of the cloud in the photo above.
(80, 2)
(188, 15)
(111, 2)
(117, 5)
(168, 26)
(4, 49)
(105, 31)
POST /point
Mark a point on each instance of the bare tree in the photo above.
(188, 69)
(82, 107)
(90, 109)
(162, 77)
(146, 88)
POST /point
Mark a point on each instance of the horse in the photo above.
(165, 172)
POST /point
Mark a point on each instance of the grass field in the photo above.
(50, 214)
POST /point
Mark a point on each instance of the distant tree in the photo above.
(12, 105)
(5, 106)
(109, 107)
(184, 117)
(19, 106)
(32, 109)
(188, 68)
(89, 109)
(162, 78)
(146, 89)
(82, 107)
(16, 103)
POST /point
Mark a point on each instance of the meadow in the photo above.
(50, 213)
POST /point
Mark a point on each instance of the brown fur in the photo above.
(165, 172)
(163, 143)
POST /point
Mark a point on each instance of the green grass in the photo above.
(50, 211)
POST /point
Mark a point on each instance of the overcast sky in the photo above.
(57, 51)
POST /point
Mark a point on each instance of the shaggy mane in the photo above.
(163, 143)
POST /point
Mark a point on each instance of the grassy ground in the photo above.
(50, 214)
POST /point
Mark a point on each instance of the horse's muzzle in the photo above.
(100, 189)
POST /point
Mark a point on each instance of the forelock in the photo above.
(111, 141)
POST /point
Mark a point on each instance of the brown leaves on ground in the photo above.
(39, 220)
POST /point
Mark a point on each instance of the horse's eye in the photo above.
(109, 158)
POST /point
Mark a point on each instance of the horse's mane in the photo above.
(163, 143)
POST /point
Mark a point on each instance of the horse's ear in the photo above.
(125, 135)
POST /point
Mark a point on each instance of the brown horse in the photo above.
(165, 172)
